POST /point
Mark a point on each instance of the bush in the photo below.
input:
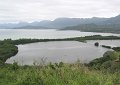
(31, 80)
(107, 61)
(106, 64)
(116, 48)
(96, 44)
(14, 66)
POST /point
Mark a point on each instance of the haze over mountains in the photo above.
(110, 25)
(83, 24)
(57, 23)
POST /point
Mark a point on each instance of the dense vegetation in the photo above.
(97, 37)
(7, 51)
(56, 74)
(109, 61)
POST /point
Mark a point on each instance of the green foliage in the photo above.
(31, 78)
(7, 50)
(68, 74)
(108, 61)
(14, 66)
(106, 64)
(1, 63)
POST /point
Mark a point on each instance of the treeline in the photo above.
(82, 39)
(26, 41)
(99, 37)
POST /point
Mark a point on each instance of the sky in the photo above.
(36, 10)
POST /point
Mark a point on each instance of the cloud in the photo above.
(35, 10)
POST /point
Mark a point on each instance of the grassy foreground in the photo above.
(56, 74)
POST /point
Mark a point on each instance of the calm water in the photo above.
(66, 51)
(40, 34)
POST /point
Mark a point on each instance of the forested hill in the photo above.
(107, 28)
(112, 25)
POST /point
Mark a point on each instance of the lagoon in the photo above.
(57, 51)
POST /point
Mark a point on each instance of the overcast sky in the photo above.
(35, 10)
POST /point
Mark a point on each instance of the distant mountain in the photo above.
(57, 23)
(114, 20)
(111, 28)
(111, 25)
(83, 24)
(31, 27)
(13, 25)
(64, 22)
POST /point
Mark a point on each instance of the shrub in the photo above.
(96, 44)
(14, 66)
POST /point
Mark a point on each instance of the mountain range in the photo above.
(110, 25)
(94, 24)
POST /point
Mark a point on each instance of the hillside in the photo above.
(31, 27)
(106, 28)
(112, 25)
(64, 22)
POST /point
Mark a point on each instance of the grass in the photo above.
(56, 74)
